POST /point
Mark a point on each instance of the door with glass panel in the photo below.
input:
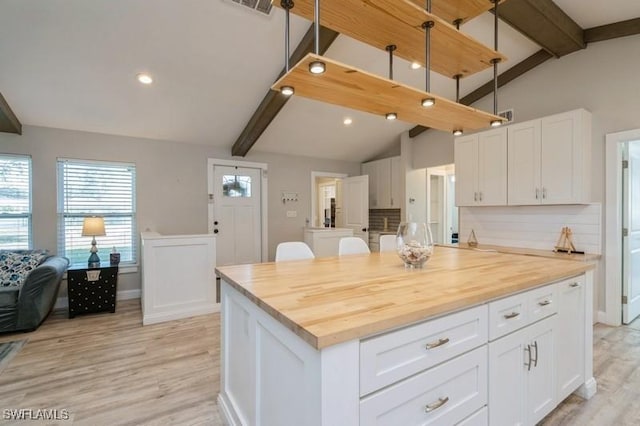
(236, 218)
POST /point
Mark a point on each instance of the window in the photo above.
(15, 202)
(92, 188)
(236, 186)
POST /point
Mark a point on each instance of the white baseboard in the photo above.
(601, 317)
(63, 302)
(588, 389)
(225, 412)
(191, 311)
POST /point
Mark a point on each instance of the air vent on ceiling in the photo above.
(262, 6)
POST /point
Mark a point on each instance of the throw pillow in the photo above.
(16, 265)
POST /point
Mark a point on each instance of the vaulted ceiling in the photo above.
(72, 64)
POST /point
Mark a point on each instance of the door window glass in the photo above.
(236, 186)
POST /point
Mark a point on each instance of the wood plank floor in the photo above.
(107, 369)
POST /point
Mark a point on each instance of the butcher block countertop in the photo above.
(331, 300)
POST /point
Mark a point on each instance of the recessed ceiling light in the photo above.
(496, 123)
(391, 116)
(144, 78)
(317, 67)
(347, 121)
(415, 65)
(457, 132)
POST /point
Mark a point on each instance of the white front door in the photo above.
(355, 205)
(237, 193)
(631, 242)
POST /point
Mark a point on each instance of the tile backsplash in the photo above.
(376, 219)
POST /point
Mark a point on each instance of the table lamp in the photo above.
(93, 227)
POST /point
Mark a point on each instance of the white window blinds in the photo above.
(92, 188)
(15, 202)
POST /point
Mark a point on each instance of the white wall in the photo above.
(171, 182)
(602, 79)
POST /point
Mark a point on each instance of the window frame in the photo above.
(29, 215)
(61, 205)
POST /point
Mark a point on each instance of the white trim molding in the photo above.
(613, 225)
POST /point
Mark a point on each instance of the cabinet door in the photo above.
(492, 168)
(370, 169)
(466, 160)
(396, 182)
(524, 163)
(507, 385)
(541, 379)
(570, 332)
(561, 158)
(384, 183)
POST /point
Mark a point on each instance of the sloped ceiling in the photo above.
(72, 64)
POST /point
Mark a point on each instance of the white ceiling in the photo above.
(72, 64)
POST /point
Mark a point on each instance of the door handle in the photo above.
(528, 364)
(574, 285)
(439, 342)
(475, 196)
(215, 222)
(364, 229)
(435, 405)
(537, 193)
(544, 192)
(535, 360)
(544, 303)
(215, 231)
(480, 195)
(511, 315)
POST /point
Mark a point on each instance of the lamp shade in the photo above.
(93, 226)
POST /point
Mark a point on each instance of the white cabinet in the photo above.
(385, 185)
(325, 241)
(550, 160)
(571, 319)
(522, 384)
(481, 169)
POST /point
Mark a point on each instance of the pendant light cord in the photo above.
(286, 4)
(390, 48)
(316, 26)
(427, 49)
(496, 60)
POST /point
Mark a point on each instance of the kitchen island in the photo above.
(471, 338)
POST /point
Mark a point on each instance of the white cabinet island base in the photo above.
(359, 340)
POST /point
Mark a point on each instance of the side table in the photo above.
(92, 290)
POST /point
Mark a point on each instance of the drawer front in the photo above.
(543, 302)
(393, 356)
(445, 394)
(479, 418)
(507, 315)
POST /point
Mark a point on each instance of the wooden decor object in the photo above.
(353, 88)
(565, 242)
(452, 10)
(381, 23)
(472, 241)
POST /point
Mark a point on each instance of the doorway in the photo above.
(442, 213)
(326, 208)
(622, 262)
(237, 211)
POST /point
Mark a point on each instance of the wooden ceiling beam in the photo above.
(610, 31)
(504, 78)
(9, 123)
(273, 101)
(545, 23)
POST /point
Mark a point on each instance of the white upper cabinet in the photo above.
(481, 169)
(384, 183)
(550, 160)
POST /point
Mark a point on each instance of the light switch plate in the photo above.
(292, 213)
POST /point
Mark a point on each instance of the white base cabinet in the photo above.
(325, 241)
(507, 362)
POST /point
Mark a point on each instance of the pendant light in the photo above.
(390, 48)
(286, 4)
(316, 67)
(495, 61)
(427, 102)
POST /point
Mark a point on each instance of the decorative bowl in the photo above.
(414, 244)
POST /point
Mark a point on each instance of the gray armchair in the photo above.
(24, 307)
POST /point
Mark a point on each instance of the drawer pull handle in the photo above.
(544, 303)
(439, 403)
(440, 342)
(512, 315)
(574, 285)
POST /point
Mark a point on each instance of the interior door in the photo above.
(237, 193)
(355, 204)
(631, 242)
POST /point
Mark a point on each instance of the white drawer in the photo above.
(443, 395)
(479, 418)
(543, 302)
(393, 356)
(507, 315)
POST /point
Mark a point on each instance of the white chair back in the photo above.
(293, 250)
(352, 245)
(387, 243)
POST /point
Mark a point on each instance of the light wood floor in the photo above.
(107, 369)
